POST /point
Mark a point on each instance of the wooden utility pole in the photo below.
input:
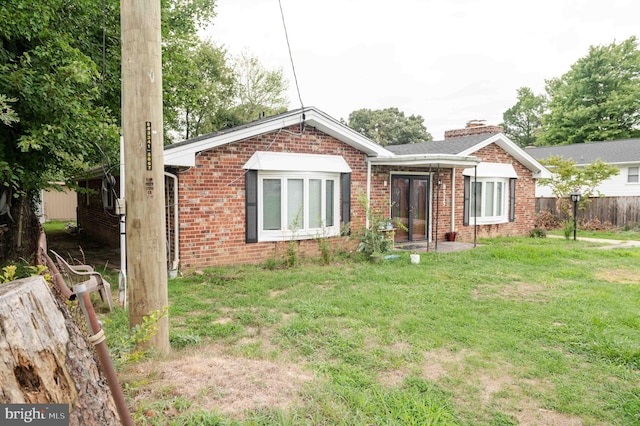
(143, 163)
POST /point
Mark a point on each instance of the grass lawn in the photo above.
(516, 331)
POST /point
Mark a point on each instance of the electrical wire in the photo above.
(293, 67)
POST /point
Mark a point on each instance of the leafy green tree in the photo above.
(45, 66)
(198, 88)
(567, 177)
(389, 126)
(259, 91)
(60, 61)
(7, 113)
(597, 99)
(523, 121)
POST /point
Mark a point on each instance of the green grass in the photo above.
(514, 328)
(56, 225)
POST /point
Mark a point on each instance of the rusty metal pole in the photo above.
(97, 339)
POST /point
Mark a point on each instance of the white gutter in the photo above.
(173, 269)
(120, 204)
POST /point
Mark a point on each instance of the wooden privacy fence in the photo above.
(618, 211)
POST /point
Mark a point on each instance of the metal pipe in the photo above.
(438, 182)
(453, 199)
(98, 340)
(475, 206)
(122, 276)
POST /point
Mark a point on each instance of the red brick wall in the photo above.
(441, 198)
(472, 130)
(525, 199)
(212, 211)
(212, 197)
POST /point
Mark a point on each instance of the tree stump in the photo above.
(46, 359)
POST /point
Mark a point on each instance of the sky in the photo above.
(449, 61)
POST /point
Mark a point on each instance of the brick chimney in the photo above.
(474, 127)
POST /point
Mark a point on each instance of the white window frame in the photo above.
(304, 231)
(636, 174)
(494, 219)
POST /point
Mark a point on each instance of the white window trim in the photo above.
(636, 174)
(489, 220)
(285, 234)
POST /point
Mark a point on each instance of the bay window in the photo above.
(295, 196)
(489, 194)
(294, 205)
(488, 200)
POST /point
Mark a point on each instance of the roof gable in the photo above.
(468, 145)
(184, 153)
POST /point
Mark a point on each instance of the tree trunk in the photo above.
(46, 359)
(19, 232)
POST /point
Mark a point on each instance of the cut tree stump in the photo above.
(46, 359)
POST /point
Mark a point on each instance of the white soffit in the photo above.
(497, 170)
(292, 162)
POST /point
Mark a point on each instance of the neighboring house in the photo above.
(57, 205)
(624, 154)
(242, 194)
(619, 201)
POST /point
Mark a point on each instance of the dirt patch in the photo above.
(619, 276)
(518, 291)
(213, 381)
(494, 386)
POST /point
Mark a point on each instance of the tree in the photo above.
(567, 177)
(44, 66)
(260, 91)
(523, 121)
(389, 126)
(597, 99)
(61, 61)
(198, 89)
(7, 113)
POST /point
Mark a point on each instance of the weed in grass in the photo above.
(181, 341)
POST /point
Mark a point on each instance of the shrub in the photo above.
(594, 224)
(538, 233)
(546, 220)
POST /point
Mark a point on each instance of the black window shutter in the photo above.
(345, 193)
(467, 206)
(512, 199)
(251, 206)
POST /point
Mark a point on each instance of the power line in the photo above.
(293, 67)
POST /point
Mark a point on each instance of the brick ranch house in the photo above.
(240, 195)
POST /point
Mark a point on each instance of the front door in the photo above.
(410, 206)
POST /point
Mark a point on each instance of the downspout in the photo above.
(437, 205)
(430, 232)
(475, 205)
(173, 269)
(120, 203)
(453, 199)
(368, 206)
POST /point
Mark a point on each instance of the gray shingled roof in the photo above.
(621, 151)
(448, 146)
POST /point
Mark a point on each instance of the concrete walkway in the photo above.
(424, 247)
(611, 244)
